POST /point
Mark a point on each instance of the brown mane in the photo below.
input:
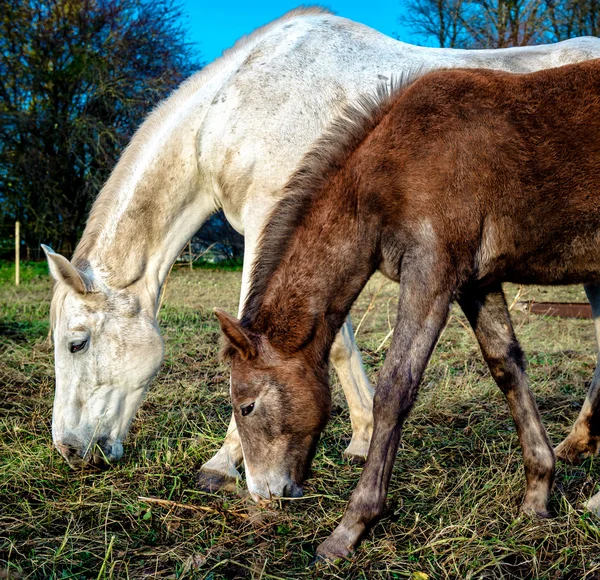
(327, 156)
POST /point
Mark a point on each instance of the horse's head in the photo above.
(281, 404)
(107, 349)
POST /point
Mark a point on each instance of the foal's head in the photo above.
(281, 402)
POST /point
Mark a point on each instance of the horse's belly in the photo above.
(581, 266)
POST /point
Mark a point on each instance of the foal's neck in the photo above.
(327, 261)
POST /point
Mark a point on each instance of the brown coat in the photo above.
(463, 180)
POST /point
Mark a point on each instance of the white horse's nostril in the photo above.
(64, 449)
(69, 447)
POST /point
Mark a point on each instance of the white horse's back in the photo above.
(298, 77)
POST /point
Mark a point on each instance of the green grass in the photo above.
(30, 271)
(232, 265)
(454, 497)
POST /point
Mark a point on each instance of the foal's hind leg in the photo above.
(488, 315)
(584, 439)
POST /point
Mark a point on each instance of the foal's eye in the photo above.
(77, 346)
(247, 409)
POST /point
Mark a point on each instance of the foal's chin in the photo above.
(285, 489)
(280, 480)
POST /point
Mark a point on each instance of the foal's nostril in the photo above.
(292, 489)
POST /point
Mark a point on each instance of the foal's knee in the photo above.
(506, 370)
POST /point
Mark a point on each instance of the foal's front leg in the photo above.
(488, 315)
(422, 311)
(584, 439)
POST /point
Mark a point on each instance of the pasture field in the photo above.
(453, 504)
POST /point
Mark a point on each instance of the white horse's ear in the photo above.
(237, 336)
(63, 271)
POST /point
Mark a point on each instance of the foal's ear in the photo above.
(63, 271)
(237, 336)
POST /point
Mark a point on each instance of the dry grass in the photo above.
(453, 503)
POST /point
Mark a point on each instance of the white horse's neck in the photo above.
(151, 205)
(153, 202)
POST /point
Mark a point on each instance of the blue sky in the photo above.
(216, 25)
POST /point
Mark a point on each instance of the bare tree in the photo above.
(438, 19)
(502, 23)
(574, 18)
(76, 79)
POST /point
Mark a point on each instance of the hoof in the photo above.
(321, 561)
(574, 452)
(534, 511)
(357, 451)
(211, 482)
(354, 459)
(333, 551)
(593, 505)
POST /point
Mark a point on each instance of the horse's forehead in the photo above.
(96, 308)
(250, 375)
(268, 369)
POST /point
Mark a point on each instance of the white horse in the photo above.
(228, 138)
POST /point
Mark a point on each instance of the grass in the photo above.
(454, 497)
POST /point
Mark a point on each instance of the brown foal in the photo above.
(461, 181)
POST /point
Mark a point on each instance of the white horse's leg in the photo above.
(348, 365)
(584, 439)
(345, 357)
(593, 504)
(221, 468)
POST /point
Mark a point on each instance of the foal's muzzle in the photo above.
(292, 489)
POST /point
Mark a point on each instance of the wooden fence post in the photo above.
(17, 253)
(190, 254)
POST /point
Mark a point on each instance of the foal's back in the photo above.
(503, 168)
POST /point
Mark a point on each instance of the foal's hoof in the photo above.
(534, 511)
(332, 551)
(574, 451)
(321, 561)
(211, 482)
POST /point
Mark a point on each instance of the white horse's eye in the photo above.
(77, 346)
(247, 409)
